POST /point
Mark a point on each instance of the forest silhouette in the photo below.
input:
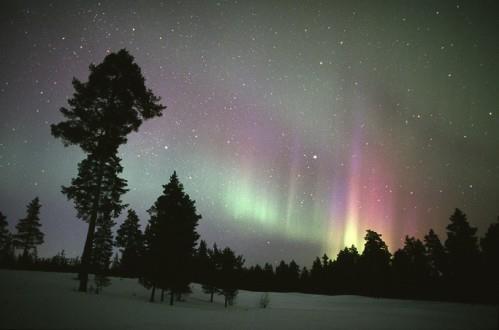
(168, 254)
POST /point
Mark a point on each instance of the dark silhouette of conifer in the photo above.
(374, 264)
(102, 251)
(29, 235)
(131, 241)
(207, 265)
(490, 252)
(268, 276)
(6, 244)
(287, 276)
(4, 230)
(230, 267)
(317, 276)
(410, 268)
(463, 257)
(173, 239)
(461, 245)
(102, 112)
(304, 280)
(490, 244)
(345, 270)
(436, 255)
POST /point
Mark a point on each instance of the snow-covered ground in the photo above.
(50, 300)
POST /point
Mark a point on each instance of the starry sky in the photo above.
(294, 125)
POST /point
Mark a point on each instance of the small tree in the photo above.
(29, 235)
(207, 263)
(131, 241)
(230, 268)
(103, 251)
(5, 240)
(264, 300)
(436, 255)
(4, 232)
(490, 251)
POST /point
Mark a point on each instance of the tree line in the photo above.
(166, 256)
(461, 268)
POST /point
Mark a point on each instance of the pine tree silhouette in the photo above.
(28, 234)
(131, 241)
(102, 112)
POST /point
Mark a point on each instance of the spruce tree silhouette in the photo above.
(173, 239)
(410, 268)
(102, 112)
(461, 245)
(102, 251)
(374, 264)
(463, 256)
(490, 252)
(287, 276)
(131, 241)
(317, 276)
(345, 270)
(304, 280)
(207, 265)
(268, 275)
(6, 248)
(230, 267)
(148, 271)
(28, 234)
(436, 255)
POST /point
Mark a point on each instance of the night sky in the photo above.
(295, 126)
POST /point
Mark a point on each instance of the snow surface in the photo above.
(50, 300)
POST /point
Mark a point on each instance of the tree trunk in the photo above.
(171, 297)
(225, 301)
(211, 297)
(162, 295)
(87, 250)
(153, 292)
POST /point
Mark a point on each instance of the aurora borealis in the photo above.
(294, 125)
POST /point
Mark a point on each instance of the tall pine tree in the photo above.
(102, 112)
(29, 235)
(130, 240)
(173, 239)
